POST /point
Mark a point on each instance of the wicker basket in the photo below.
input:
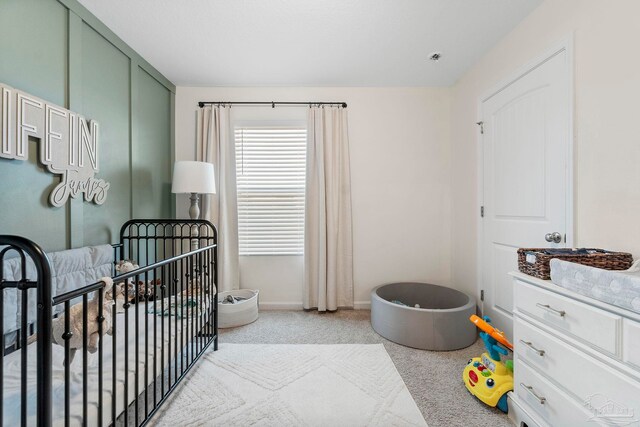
(535, 261)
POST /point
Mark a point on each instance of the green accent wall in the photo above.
(152, 191)
(58, 51)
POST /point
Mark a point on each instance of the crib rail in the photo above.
(28, 249)
(151, 240)
(159, 319)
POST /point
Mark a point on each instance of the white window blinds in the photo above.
(270, 171)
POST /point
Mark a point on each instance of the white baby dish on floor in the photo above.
(237, 308)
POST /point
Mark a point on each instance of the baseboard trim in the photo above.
(362, 305)
(280, 305)
(276, 305)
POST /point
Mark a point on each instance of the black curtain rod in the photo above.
(272, 103)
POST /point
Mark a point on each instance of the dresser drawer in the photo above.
(584, 377)
(631, 343)
(590, 324)
(520, 413)
(547, 400)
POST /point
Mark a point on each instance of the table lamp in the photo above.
(195, 178)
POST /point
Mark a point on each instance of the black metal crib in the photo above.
(163, 316)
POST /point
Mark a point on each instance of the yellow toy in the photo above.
(487, 377)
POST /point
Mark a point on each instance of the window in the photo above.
(270, 171)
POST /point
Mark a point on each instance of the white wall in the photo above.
(400, 172)
(607, 138)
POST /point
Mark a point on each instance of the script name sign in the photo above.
(68, 144)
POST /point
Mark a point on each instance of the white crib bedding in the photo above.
(70, 269)
(12, 364)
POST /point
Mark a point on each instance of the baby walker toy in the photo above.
(487, 377)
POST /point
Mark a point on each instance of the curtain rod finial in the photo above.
(200, 104)
(344, 105)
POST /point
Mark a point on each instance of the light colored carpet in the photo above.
(434, 379)
(292, 385)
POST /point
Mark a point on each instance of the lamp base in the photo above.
(194, 213)
(194, 209)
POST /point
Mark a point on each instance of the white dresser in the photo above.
(576, 359)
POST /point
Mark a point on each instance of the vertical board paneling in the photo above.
(105, 97)
(33, 42)
(56, 50)
(172, 143)
(152, 167)
(33, 58)
(74, 103)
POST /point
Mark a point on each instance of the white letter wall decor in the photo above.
(68, 144)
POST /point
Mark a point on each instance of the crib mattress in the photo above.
(12, 364)
(619, 288)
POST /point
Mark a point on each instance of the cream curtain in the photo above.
(328, 246)
(215, 144)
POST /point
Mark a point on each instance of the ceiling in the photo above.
(311, 43)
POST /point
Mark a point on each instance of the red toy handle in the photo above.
(497, 334)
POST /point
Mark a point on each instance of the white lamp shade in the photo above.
(193, 177)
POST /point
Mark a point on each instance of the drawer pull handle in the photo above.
(533, 393)
(530, 345)
(547, 307)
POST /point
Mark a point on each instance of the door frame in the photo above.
(565, 45)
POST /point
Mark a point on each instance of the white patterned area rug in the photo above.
(292, 385)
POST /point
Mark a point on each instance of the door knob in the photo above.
(554, 237)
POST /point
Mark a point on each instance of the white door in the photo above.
(526, 176)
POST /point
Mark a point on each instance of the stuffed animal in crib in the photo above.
(122, 267)
(195, 288)
(145, 293)
(76, 322)
(125, 266)
(120, 296)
